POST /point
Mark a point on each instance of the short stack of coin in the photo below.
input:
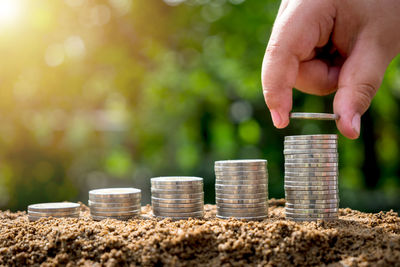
(55, 209)
(241, 189)
(115, 203)
(177, 197)
(311, 177)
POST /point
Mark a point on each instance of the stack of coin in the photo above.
(114, 203)
(241, 189)
(311, 177)
(55, 209)
(177, 197)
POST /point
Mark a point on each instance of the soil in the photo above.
(356, 239)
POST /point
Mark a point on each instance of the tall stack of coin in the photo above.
(177, 197)
(55, 209)
(311, 177)
(114, 203)
(241, 189)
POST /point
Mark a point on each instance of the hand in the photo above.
(333, 45)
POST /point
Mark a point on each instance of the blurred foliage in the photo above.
(111, 93)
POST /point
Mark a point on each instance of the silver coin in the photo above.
(311, 156)
(55, 207)
(160, 210)
(240, 179)
(312, 160)
(309, 188)
(112, 204)
(120, 218)
(115, 193)
(174, 191)
(311, 173)
(312, 165)
(115, 209)
(310, 183)
(243, 214)
(310, 146)
(241, 168)
(179, 187)
(308, 151)
(179, 180)
(47, 214)
(306, 142)
(241, 182)
(314, 116)
(312, 137)
(320, 216)
(177, 218)
(291, 198)
(35, 218)
(243, 196)
(256, 218)
(178, 196)
(177, 200)
(312, 201)
(219, 200)
(114, 213)
(242, 162)
(243, 206)
(309, 219)
(242, 187)
(179, 214)
(178, 206)
(311, 211)
(312, 206)
(293, 178)
(241, 211)
(115, 200)
(310, 193)
(241, 191)
(241, 173)
(312, 169)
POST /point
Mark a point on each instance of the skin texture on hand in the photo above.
(320, 47)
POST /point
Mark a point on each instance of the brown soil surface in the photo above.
(356, 239)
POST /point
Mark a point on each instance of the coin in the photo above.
(243, 196)
(118, 204)
(107, 193)
(312, 137)
(160, 210)
(311, 173)
(239, 200)
(321, 216)
(253, 218)
(242, 214)
(178, 196)
(179, 187)
(308, 151)
(174, 191)
(313, 141)
(309, 156)
(314, 116)
(294, 178)
(312, 206)
(241, 168)
(35, 218)
(310, 146)
(240, 173)
(311, 165)
(312, 201)
(242, 162)
(178, 180)
(241, 182)
(311, 169)
(114, 213)
(241, 211)
(243, 206)
(310, 183)
(121, 218)
(53, 214)
(250, 178)
(311, 193)
(291, 198)
(311, 160)
(115, 209)
(310, 211)
(309, 188)
(178, 206)
(240, 191)
(241, 187)
(179, 214)
(176, 201)
(55, 207)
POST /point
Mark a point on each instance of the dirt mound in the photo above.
(356, 239)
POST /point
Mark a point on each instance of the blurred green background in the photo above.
(111, 93)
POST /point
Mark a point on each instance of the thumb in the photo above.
(359, 80)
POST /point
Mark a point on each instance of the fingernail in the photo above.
(276, 118)
(356, 122)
